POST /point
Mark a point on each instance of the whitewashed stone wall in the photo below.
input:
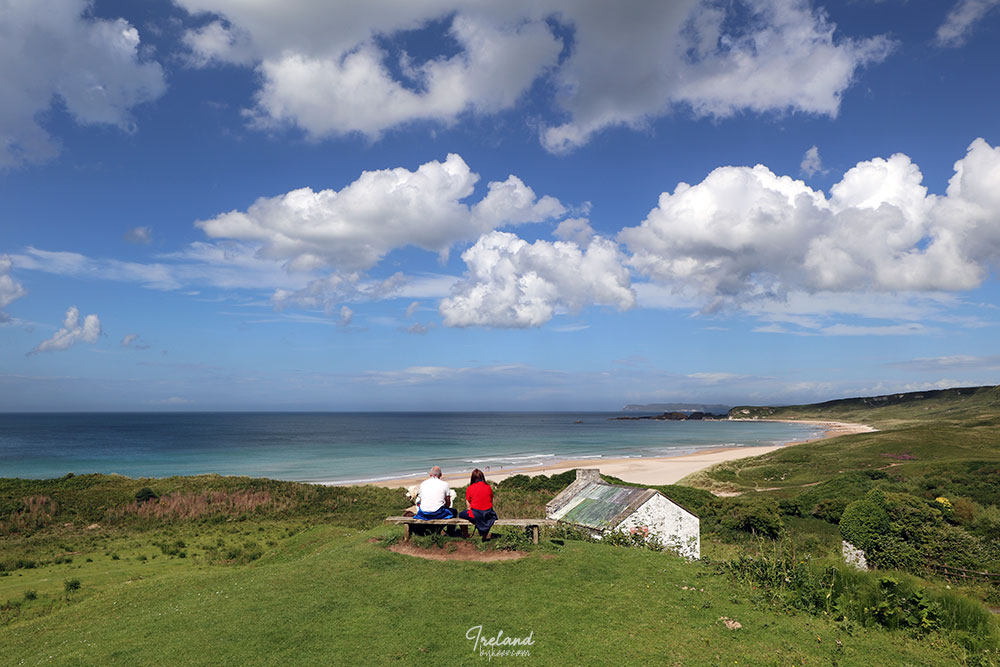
(853, 555)
(675, 527)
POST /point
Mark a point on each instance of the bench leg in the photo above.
(406, 532)
(534, 534)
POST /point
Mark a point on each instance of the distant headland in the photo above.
(676, 416)
(679, 407)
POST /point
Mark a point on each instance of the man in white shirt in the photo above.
(435, 497)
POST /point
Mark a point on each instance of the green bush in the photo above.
(688, 497)
(639, 538)
(897, 530)
(554, 483)
(790, 507)
(71, 585)
(986, 523)
(830, 509)
(899, 606)
(864, 522)
(755, 515)
(897, 602)
(144, 494)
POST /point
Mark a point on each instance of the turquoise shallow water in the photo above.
(347, 447)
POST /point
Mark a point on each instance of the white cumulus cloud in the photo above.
(72, 332)
(637, 61)
(51, 52)
(513, 283)
(357, 93)
(351, 230)
(577, 230)
(746, 233)
(335, 68)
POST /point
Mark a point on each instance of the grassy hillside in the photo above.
(949, 438)
(936, 453)
(971, 407)
(330, 595)
(103, 569)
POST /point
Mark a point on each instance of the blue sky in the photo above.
(235, 205)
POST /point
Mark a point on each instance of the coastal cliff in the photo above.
(675, 416)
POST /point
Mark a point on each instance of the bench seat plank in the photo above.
(461, 522)
(409, 521)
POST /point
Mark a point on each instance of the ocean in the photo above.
(348, 447)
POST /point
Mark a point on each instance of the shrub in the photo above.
(897, 530)
(17, 564)
(71, 585)
(830, 509)
(640, 538)
(896, 602)
(790, 507)
(144, 494)
(864, 522)
(755, 515)
(899, 606)
(31, 594)
(963, 510)
(944, 506)
(554, 483)
(987, 522)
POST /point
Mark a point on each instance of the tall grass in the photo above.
(35, 512)
(892, 600)
(194, 505)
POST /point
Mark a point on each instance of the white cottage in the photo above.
(599, 507)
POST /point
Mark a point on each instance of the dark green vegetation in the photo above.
(922, 490)
(224, 570)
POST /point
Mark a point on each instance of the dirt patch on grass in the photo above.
(461, 551)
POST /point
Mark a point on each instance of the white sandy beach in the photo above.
(652, 470)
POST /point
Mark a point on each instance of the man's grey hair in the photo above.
(436, 471)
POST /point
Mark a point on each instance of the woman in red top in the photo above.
(479, 497)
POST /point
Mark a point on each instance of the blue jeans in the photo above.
(442, 513)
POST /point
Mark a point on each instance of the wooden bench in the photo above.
(528, 524)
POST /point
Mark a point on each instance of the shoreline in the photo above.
(655, 471)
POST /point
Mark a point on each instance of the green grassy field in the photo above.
(945, 442)
(227, 570)
(332, 595)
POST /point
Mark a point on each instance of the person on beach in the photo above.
(479, 497)
(435, 498)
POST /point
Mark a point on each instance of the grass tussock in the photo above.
(34, 512)
(195, 505)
